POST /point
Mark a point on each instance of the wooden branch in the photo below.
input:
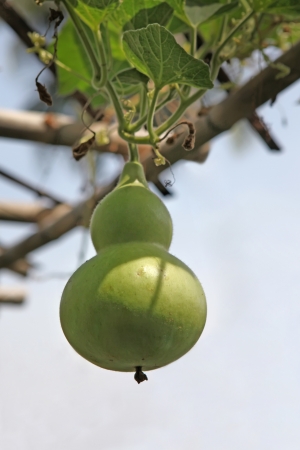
(54, 129)
(29, 186)
(20, 266)
(79, 215)
(59, 129)
(255, 121)
(28, 125)
(18, 24)
(238, 105)
(23, 212)
(12, 294)
(22, 28)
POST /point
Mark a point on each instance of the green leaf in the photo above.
(200, 13)
(286, 7)
(155, 52)
(113, 47)
(71, 53)
(93, 12)
(178, 6)
(131, 76)
(128, 9)
(160, 14)
(177, 25)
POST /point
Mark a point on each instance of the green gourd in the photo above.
(133, 306)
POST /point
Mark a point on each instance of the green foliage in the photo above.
(131, 76)
(120, 50)
(134, 304)
(155, 52)
(72, 54)
(199, 13)
(160, 14)
(286, 7)
(93, 12)
(128, 12)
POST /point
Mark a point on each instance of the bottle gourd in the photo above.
(133, 306)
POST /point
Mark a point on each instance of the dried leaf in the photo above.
(81, 150)
(43, 93)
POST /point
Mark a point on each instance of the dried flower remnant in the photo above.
(81, 150)
(140, 376)
(43, 93)
(189, 142)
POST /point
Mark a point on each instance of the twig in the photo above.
(238, 105)
(22, 28)
(12, 294)
(29, 186)
(23, 212)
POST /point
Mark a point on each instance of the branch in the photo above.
(79, 215)
(12, 295)
(20, 266)
(238, 105)
(54, 129)
(255, 120)
(19, 25)
(29, 186)
(22, 28)
(23, 212)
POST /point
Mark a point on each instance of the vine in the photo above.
(134, 59)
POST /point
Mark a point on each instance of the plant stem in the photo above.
(140, 122)
(133, 152)
(134, 139)
(102, 56)
(185, 91)
(193, 34)
(68, 69)
(152, 134)
(106, 41)
(180, 110)
(215, 63)
(85, 41)
(143, 100)
(117, 105)
(203, 50)
(246, 5)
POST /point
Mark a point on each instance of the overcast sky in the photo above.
(236, 224)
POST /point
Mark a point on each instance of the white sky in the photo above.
(236, 221)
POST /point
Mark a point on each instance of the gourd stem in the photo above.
(133, 152)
